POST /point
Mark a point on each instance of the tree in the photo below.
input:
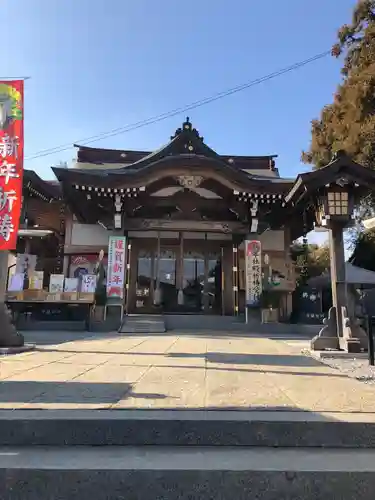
(314, 258)
(349, 122)
(364, 251)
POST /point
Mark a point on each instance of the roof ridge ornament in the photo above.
(339, 155)
(187, 127)
(190, 181)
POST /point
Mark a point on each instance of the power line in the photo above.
(15, 78)
(176, 111)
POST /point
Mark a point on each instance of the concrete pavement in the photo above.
(208, 370)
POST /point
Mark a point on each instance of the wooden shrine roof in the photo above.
(186, 148)
(46, 190)
(186, 140)
(341, 170)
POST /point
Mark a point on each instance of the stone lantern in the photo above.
(334, 206)
(329, 195)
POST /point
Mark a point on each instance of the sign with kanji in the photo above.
(88, 284)
(116, 267)
(11, 161)
(253, 272)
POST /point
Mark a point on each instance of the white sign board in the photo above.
(116, 267)
(253, 272)
(56, 283)
(88, 284)
(71, 285)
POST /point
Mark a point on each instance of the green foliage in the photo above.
(349, 122)
(315, 261)
(364, 251)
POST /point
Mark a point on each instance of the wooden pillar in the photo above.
(180, 271)
(206, 256)
(132, 274)
(27, 245)
(235, 277)
(227, 267)
(66, 265)
(222, 281)
(157, 292)
(60, 251)
(127, 273)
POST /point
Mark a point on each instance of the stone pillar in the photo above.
(333, 329)
(337, 258)
(9, 337)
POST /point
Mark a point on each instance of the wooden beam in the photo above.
(162, 184)
(187, 199)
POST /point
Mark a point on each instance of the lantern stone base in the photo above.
(327, 338)
(9, 337)
(270, 315)
(353, 346)
(354, 337)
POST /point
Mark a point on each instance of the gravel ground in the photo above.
(354, 368)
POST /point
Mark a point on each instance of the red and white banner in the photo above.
(11, 161)
(116, 267)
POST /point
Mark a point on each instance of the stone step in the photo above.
(200, 322)
(186, 428)
(143, 324)
(172, 473)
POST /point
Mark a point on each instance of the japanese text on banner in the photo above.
(11, 161)
(253, 272)
(116, 267)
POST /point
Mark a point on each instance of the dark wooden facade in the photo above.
(184, 207)
(41, 207)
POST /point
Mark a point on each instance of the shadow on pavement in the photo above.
(70, 392)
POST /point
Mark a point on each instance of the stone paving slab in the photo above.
(212, 370)
(187, 458)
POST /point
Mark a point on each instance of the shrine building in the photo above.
(186, 212)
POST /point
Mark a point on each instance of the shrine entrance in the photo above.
(176, 279)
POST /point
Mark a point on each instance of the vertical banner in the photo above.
(116, 267)
(253, 272)
(11, 161)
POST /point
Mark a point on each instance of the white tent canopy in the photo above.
(353, 276)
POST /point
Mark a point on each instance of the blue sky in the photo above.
(96, 66)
